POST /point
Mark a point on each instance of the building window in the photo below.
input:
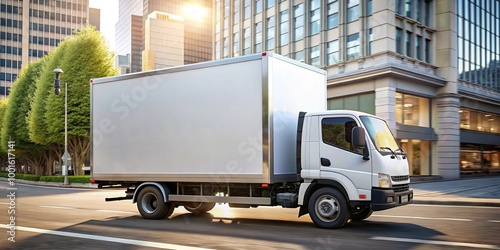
(270, 33)
(236, 44)
(479, 159)
(418, 154)
(332, 49)
(408, 8)
(418, 47)
(226, 47)
(299, 56)
(427, 51)
(217, 50)
(479, 121)
(236, 11)
(246, 43)
(284, 32)
(412, 110)
(352, 10)
(352, 46)
(314, 57)
(258, 6)
(363, 102)
(298, 22)
(315, 24)
(409, 40)
(333, 14)
(369, 7)
(258, 37)
(247, 9)
(270, 3)
(369, 50)
(399, 40)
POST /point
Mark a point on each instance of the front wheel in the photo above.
(328, 208)
(151, 204)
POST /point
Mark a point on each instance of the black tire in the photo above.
(151, 204)
(199, 207)
(328, 208)
(361, 215)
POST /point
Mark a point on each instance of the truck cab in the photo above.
(349, 161)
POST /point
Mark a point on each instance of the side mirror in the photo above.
(358, 140)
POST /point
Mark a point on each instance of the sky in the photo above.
(109, 17)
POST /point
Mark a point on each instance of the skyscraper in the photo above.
(128, 33)
(197, 28)
(430, 70)
(30, 29)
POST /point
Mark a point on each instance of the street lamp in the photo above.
(57, 90)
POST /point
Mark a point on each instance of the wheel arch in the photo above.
(163, 189)
(317, 184)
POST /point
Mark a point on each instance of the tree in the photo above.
(86, 56)
(37, 124)
(15, 124)
(3, 155)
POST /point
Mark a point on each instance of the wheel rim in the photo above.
(327, 208)
(149, 203)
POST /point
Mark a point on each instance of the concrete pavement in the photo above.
(475, 191)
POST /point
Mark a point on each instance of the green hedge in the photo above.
(53, 178)
(28, 177)
(71, 179)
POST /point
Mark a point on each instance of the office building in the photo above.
(130, 29)
(429, 68)
(30, 29)
(128, 34)
(164, 41)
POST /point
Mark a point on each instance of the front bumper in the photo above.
(386, 198)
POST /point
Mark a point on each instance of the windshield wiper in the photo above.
(402, 152)
(392, 152)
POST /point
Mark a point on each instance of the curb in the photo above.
(52, 184)
(458, 203)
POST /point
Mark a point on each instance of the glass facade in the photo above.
(363, 102)
(479, 121)
(479, 42)
(479, 159)
(419, 157)
(412, 110)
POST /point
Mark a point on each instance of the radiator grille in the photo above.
(400, 178)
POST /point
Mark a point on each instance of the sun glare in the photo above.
(195, 12)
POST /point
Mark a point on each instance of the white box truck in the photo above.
(249, 131)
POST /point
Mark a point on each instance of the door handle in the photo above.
(325, 162)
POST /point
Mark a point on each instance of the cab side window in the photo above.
(337, 132)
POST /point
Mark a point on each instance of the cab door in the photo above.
(339, 158)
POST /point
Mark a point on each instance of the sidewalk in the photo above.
(477, 191)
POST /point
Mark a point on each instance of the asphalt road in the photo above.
(55, 218)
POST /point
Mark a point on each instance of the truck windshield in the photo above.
(380, 134)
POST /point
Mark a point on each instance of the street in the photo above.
(56, 218)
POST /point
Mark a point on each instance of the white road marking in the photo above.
(419, 218)
(494, 221)
(436, 242)
(450, 206)
(115, 211)
(4, 203)
(103, 238)
(57, 207)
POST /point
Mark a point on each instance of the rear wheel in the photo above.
(328, 208)
(362, 214)
(151, 204)
(199, 207)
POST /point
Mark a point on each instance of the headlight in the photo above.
(384, 181)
